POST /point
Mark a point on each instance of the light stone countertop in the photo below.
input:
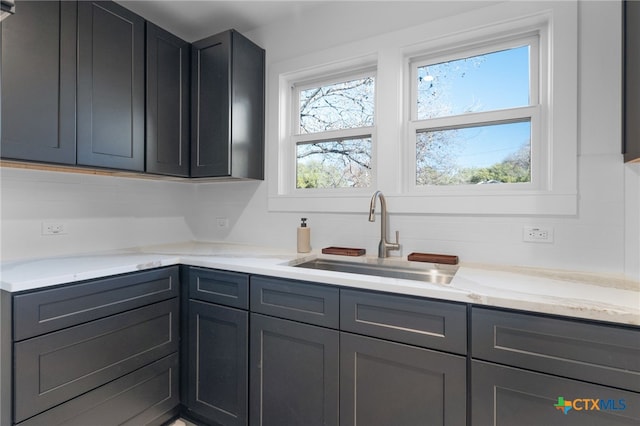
(573, 294)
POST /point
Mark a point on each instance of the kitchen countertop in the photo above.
(574, 294)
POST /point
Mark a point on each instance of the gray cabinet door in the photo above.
(505, 396)
(631, 81)
(218, 363)
(227, 113)
(390, 384)
(110, 86)
(39, 82)
(167, 123)
(294, 371)
(210, 111)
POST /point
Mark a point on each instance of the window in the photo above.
(473, 113)
(468, 114)
(332, 132)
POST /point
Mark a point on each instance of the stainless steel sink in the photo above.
(437, 274)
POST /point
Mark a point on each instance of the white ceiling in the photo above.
(195, 19)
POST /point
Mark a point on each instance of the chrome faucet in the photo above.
(384, 246)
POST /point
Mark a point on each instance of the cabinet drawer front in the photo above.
(420, 322)
(224, 288)
(385, 383)
(139, 398)
(300, 301)
(603, 354)
(50, 310)
(511, 396)
(57, 367)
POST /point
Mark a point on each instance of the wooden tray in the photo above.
(344, 251)
(445, 259)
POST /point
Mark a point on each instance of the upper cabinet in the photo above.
(167, 122)
(227, 113)
(631, 85)
(39, 83)
(84, 84)
(110, 86)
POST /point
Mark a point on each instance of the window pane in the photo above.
(499, 153)
(487, 82)
(345, 105)
(334, 164)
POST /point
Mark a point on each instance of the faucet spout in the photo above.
(384, 246)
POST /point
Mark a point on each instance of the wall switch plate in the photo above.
(54, 228)
(537, 234)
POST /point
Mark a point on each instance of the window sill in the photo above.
(486, 204)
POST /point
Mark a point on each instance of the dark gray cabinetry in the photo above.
(167, 124)
(39, 83)
(49, 310)
(511, 396)
(420, 322)
(147, 396)
(110, 86)
(80, 350)
(294, 367)
(227, 113)
(522, 363)
(631, 81)
(312, 303)
(294, 373)
(332, 356)
(385, 383)
(601, 354)
(217, 369)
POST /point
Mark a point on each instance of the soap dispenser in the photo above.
(304, 237)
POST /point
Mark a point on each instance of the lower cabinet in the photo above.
(531, 369)
(306, 369)
(385, 383)
(267, 351)
(100, 353)
(148, 396)
(512, 396)
(217, 363)
(294, 373)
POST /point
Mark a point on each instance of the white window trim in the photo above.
(538, 40)
(295, 137)
(390, 51)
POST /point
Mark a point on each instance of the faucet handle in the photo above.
(397, 237)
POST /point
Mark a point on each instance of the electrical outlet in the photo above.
(537, 234)
(54, 228)
(222, 222)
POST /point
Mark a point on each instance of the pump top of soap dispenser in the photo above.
(304, 222)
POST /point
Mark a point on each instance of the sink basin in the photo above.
(440, 274)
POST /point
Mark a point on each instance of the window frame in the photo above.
(388, 53)
(534, 112)
(297, 137)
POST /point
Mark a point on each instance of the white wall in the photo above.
(603, 237)
(107, 212)
(99, 212)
